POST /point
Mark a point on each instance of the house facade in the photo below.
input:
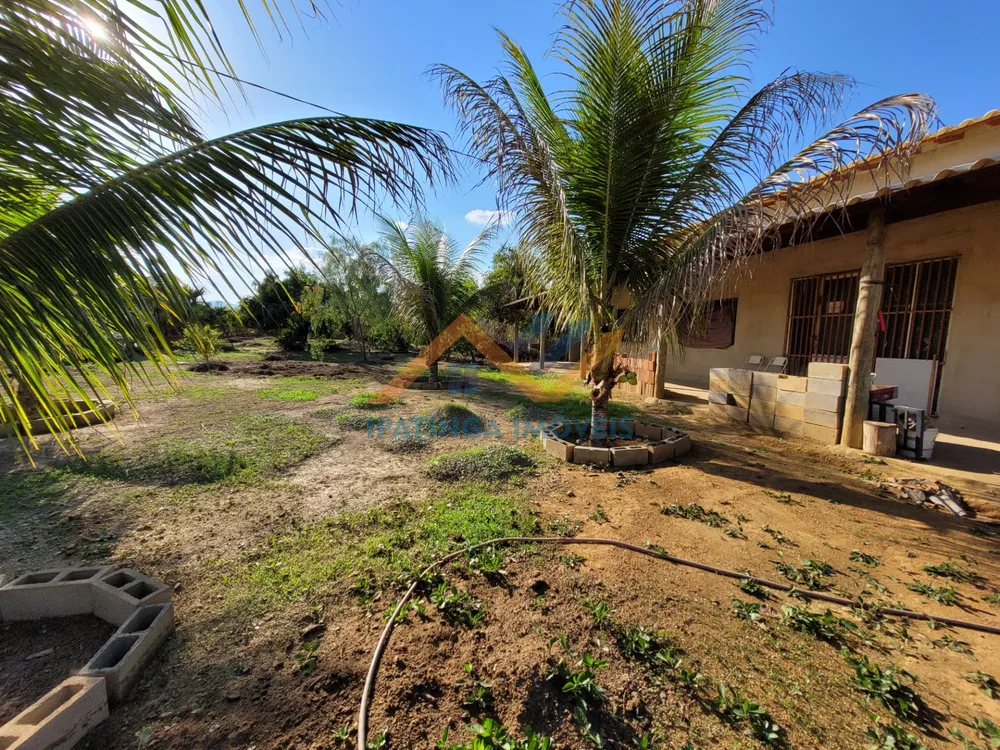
(940, 295)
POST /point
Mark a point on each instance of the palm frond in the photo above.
(93, 268)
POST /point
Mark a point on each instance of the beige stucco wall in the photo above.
(970, 387)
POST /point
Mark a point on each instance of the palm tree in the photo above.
(432, 281)
(109, 192)
(654, 172)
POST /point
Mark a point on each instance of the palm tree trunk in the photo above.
(515, 346)
(433, 368)
(27, 401)
(601, 383)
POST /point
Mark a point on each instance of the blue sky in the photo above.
(369, 57)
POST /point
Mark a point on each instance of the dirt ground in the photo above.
(288, 673)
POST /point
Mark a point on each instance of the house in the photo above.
(940, 292)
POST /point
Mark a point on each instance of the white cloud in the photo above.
(484, 216)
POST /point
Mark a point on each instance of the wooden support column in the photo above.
(862, 356)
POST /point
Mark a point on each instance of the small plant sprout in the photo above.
(599, 515)
(306, 660)
(641, 644)
(892, 737)
(985, 682)
(694, 512)
(489, 562)
(943, 594)
(953, 572)
(572, 561)
(458, 606)
(863, 557)
(746, 611)
(600, 611)
(782, 497)
(144, 737)
(987, 729)
(491, 735)
(739, 709)
(777, 535)
(480, 695)
(825, 627)
(751, 587)
(810, 574)
(380, 741)
(886, 685)
(993, 598)
(952, 644)
(342, 736)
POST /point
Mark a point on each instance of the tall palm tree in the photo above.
(432, 280)
(109, 192)
(655, 171)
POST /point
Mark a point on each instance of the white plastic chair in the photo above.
(754, 362)
(777, 364)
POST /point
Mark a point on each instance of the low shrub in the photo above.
(491, 463)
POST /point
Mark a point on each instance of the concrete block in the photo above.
(561, 449)
(718, 397)
(633, 455)
(60, 718)
(741, 401)
(648, 431)
(738, 413)
(119, 593)
(718, 384)
(767, 379)
(660, 451)
(764, 421)
(792, 398)
(740, 382)
(121, 660)
(679, 439)
(790, 427)
(821, 418)
(827, 371)
(721, 373)
(585, 454)
(824, 402)
(793, 383)
(764, 408)
(763, 393)
(789, 411)
(825, 435)
(62, 592)
(829, 387)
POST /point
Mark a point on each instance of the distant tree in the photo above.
(352, 294)
(508, 296)
(432, 281)
(202, 339)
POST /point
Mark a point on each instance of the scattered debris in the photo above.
(922, 491)
(40, 654)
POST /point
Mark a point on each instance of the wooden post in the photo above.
(660, 374)
(880, 438)
(863, 338)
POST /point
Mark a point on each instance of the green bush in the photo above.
(491, 463)
(454, 419)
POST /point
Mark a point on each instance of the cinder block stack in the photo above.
(763, 399)
(824, 403)
(811, 407)
(729, 393)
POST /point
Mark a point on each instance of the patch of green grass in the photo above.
(455, 419)
(370, 550)
(491, 463)
(288, 394)
(25, 490)
(353, 420)
(252, 446)
(372, 400)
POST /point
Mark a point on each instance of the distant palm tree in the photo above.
(432, 281)
(654, 172)
(109, 192)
